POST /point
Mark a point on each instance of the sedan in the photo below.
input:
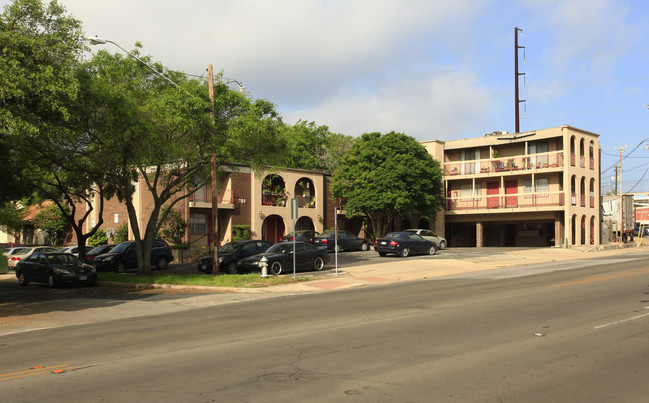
(346, 241)
(305, 235)
(280, 258)
(98, 250)
(55, 269)
(431, 236)
(231, 253)
(404, 244)
(24, 252)
(74, 249)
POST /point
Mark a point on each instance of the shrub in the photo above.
(241, 232)
(99, 238)
(121, 235)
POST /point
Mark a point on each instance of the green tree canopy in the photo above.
(41, 46)
(385, 177)
(314, 147)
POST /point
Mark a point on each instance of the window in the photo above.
(540, 185)
(197, 224)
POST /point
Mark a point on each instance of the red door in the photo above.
(493, 189)
(511, 187)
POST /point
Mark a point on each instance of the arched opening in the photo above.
(572, 151)
(273, 191)
(304, 223)
(583, 230)
(591, 193)
(582, 192)
(592, 230)
(582, 154)
(573, 230)
(305, 193)
(573, 191)
(272, 229)
(591, 155)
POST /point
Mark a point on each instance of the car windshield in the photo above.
(99, 249)
(62, 259)
(230, 247)
(121, 247)
(281, 248)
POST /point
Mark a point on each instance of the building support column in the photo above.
(479, 230)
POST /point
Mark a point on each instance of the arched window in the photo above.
(305, 193)
(273, 191)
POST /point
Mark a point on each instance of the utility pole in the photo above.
(621, 149)
(517, 101)
(215, 202)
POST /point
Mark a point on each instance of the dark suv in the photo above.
(123, 257)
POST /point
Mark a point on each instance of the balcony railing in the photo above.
(518, 200)
(204, 195)
(551, 160)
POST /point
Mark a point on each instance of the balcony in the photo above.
(202, 197)
(517, 201)
(534, 163)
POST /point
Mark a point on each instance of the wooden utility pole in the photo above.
(215, 202)
(517, 101)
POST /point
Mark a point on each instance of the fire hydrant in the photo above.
(263, 263)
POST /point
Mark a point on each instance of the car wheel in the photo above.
(442, 245)
(232, 268)
(276, 268)
(432, 250)
(162, 263)
(51, 280)
(318, 263)
(382, 254)
(365, 246)
(22, 280)
(120, 268)
(405, 252)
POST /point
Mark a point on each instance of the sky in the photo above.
(432, 69)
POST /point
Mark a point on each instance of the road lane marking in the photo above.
(617, 322)
(601, 278)
(32, 371)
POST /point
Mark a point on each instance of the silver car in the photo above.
(26, 251)
(431, 236)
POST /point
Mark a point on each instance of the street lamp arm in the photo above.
(100, 41)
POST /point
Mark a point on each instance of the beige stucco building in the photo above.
(535, 188)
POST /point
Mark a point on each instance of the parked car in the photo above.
(74, 249)
(55, 269)
(231, 253)
(123, 257)
(404, 244)
(643, 233)
(346, 241)
(280, 258)
(431, 236)
(305, 235)
(26, 251)
(98, 250)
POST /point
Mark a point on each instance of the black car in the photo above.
(305, 235)
(280, 258)
(98, 250)
(231, 253)
(346, 241)
(55, 269)
(123, 257)
(404, 244)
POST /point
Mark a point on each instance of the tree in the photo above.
(51, 221)
(161, 136)
(41, 46)
(173, 228)
(385, 177)
(314, 147)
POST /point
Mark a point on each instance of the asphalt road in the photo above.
(577, 334)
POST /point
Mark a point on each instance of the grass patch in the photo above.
(252, 280)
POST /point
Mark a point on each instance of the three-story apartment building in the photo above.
(534, 188)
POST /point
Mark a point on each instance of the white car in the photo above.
(74, 249)
(26, 251)
(431, 236)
